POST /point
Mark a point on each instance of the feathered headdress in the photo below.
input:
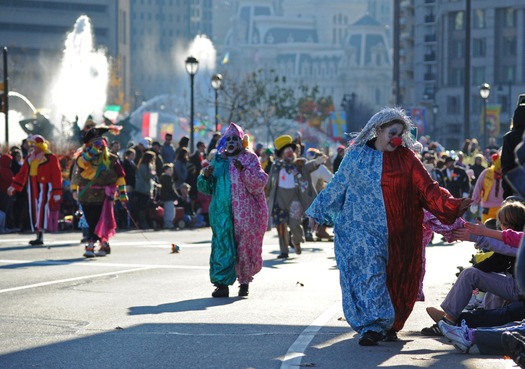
(383, 116)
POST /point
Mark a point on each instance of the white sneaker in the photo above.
(458, 336)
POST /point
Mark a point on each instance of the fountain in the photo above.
(79, 88)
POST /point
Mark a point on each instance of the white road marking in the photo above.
(70, 280)
(137, 267)
(295, 353)
(85, 262)
(143, 243)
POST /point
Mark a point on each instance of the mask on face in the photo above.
(233, 145)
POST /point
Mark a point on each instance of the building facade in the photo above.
(446, 53)
(335, 45)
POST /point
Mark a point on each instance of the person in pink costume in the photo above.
(238, 212)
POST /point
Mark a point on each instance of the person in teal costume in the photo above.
(238, 212)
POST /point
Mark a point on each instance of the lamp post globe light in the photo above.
(435, 110)
(484, 92)
(192, 66)
(216, 84)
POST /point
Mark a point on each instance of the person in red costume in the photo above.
(41, 171)
(375, 203)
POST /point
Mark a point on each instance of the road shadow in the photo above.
(45, 246)
(213, 346)
(180, 306)
(40, 263)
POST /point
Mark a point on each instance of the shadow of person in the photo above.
(187, 305)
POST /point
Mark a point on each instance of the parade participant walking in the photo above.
(488, 190)
(97, 176)
(238, 212)
(41, 172)
(290, 192)
(375, 202)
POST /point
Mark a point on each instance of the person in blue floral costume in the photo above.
(375, 203)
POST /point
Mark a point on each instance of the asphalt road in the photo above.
(145, 307)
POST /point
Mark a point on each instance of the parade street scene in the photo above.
(262, 184)
(147, 307)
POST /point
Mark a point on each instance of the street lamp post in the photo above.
(216, 83)
(192, 66)
(484, 92)
(435, 109)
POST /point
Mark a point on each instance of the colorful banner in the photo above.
(337, 124)
(418, 116)
(149, 124)
(493, 120)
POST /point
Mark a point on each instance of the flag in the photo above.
(149, 124)
(111, 112)
(493, 120)
(337, 123)
(226, 58)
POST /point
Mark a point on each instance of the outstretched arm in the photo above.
(481, 230)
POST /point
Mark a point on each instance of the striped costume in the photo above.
(44, 180)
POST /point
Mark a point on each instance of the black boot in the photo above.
(39, 239)
(370, 338)
(221, 291)
(243, 290)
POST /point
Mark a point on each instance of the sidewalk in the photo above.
(336, 344)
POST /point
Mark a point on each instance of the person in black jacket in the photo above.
(510, 140)
(455, 179)
(168, 195)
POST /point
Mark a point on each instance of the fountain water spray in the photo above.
(80, 87)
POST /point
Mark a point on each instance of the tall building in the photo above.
(335, 45)
(34, 32)
(161, 32)
(440, 68)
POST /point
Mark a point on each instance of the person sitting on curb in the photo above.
(510, 216)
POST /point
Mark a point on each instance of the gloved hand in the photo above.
(57, 198)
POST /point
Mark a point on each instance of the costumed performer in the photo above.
(41, 171)
(488, 190)
(238, 212)
(290, 192)
(97, 175)
(375, 202)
